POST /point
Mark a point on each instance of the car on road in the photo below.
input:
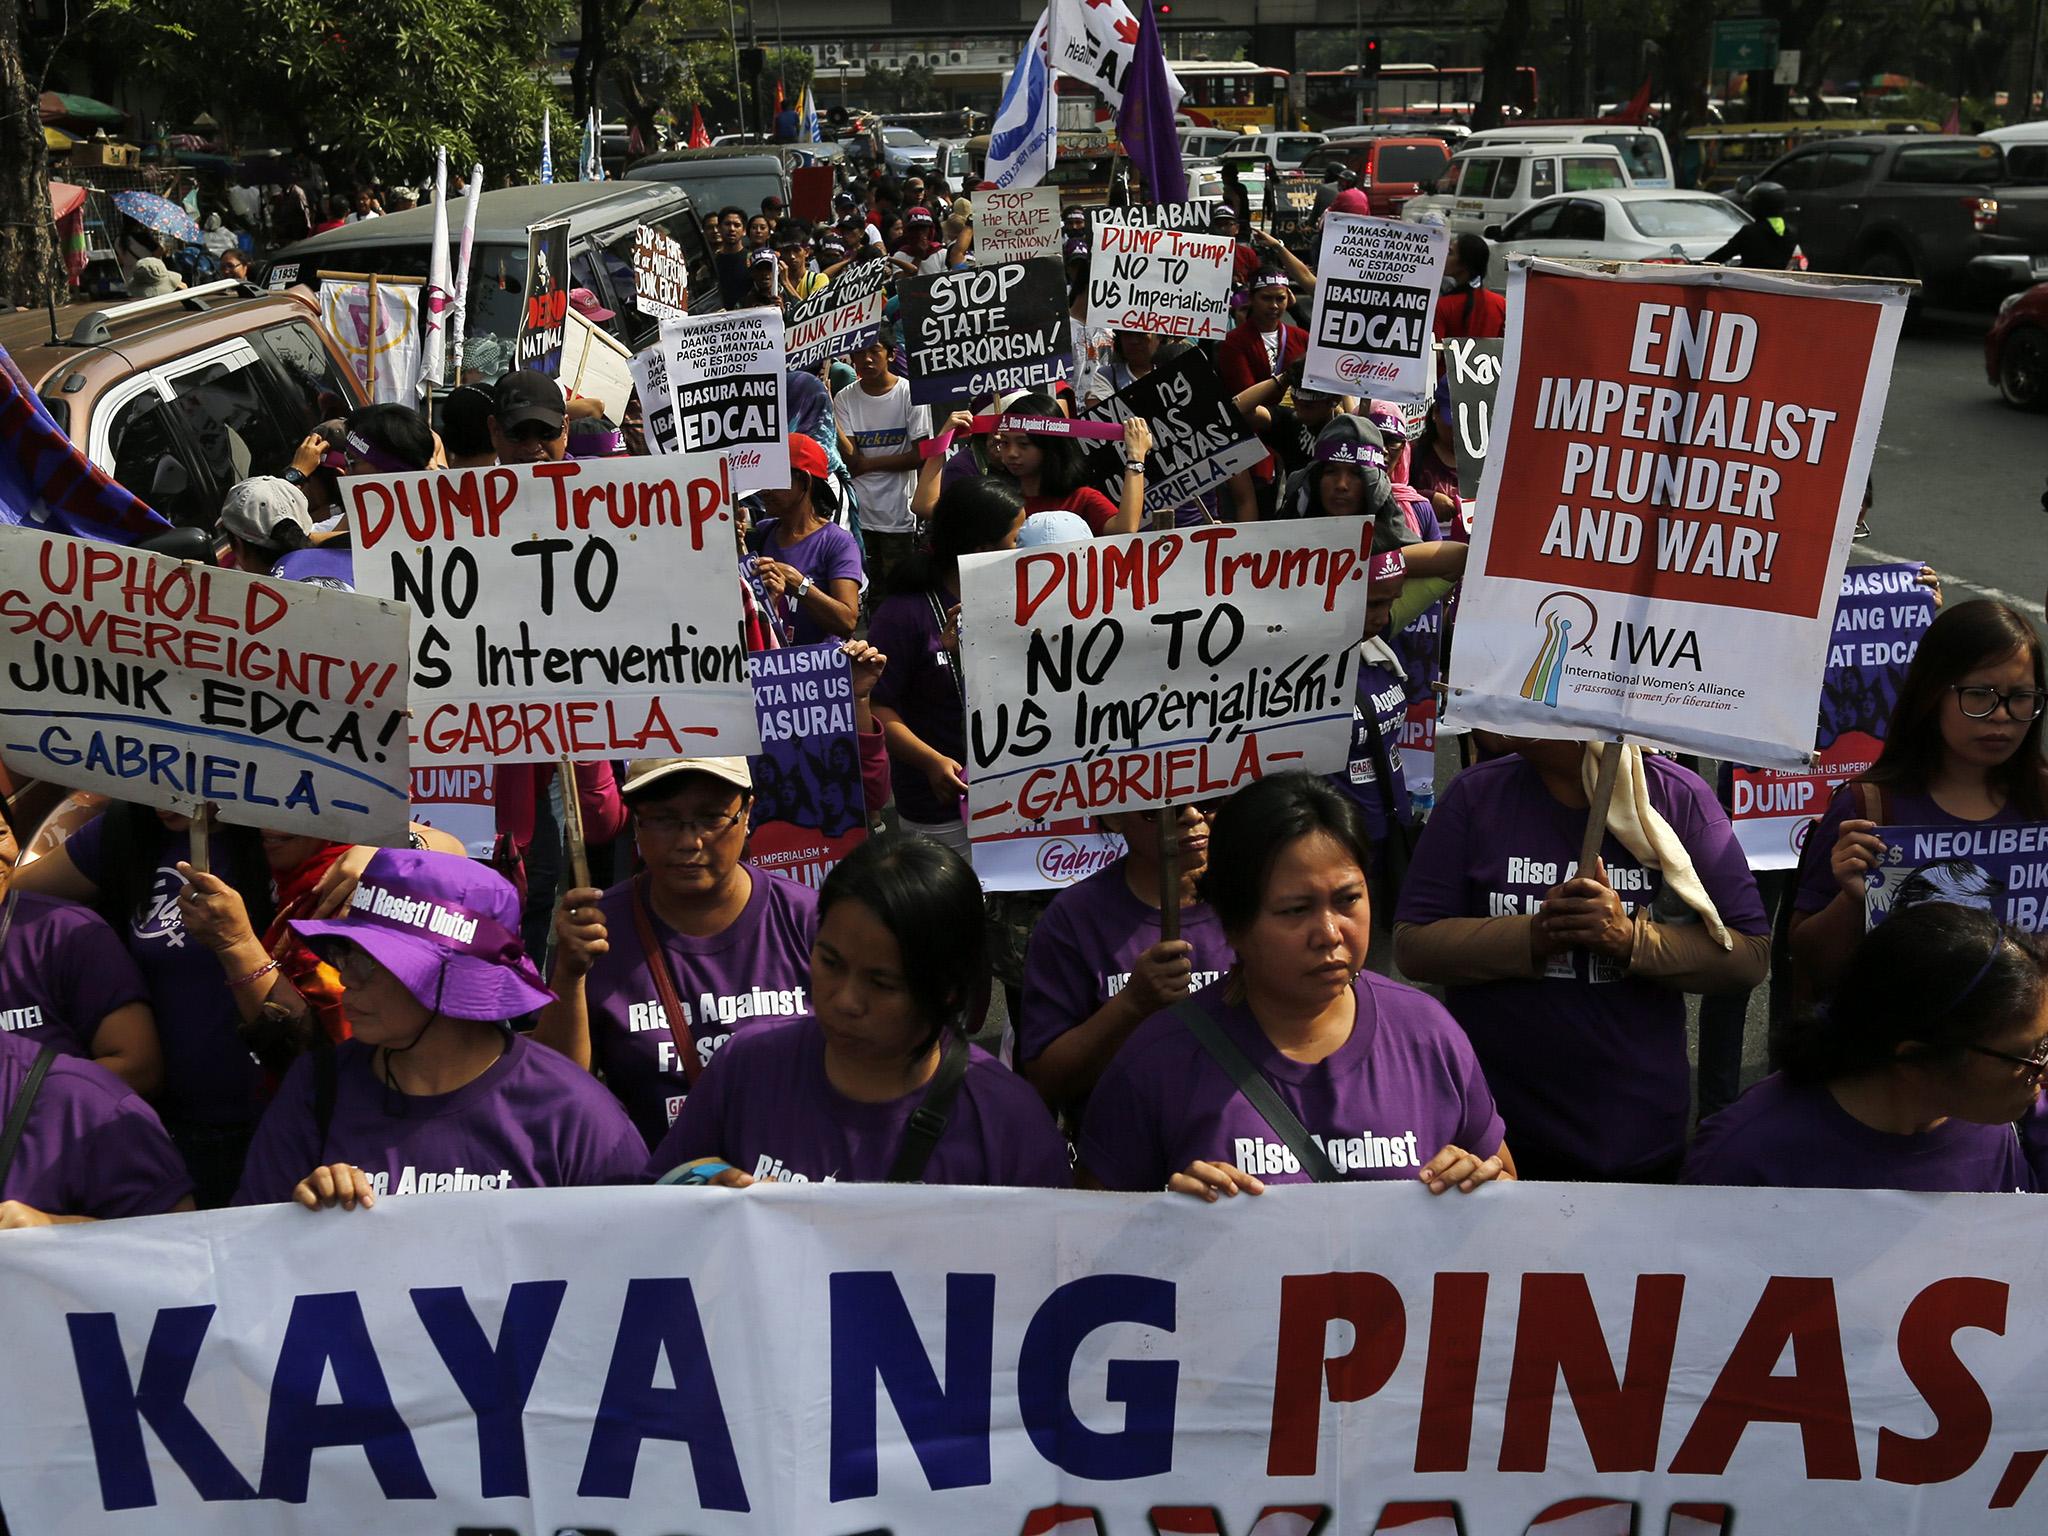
(1487, 186)
(1391, 168)
(1207, 143)
(905, 150)
(1937, 207)
(1643, 150)
(1620, 224)
(1285, 151)
(737, 176)
(179, 397)
(2016, 349)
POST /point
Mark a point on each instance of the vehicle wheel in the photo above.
(2023, 368)
(1886, 261)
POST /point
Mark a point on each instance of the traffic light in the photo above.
(1372, 55)
(753, 62)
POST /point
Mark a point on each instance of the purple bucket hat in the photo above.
(447, 928)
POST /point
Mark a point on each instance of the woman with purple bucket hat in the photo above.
(436, 1093)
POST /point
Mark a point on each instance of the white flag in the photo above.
(1093, 41)
(433, 344)
(1022, 141)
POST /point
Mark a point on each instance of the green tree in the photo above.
(28, 250)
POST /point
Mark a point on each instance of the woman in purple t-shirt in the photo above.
(1376, 1074)
(733, 942)
(1963, 749)
(90, 1149)
(809, 567)
(434, 1093)
(1912, 1075)
(899, 963)
(921, 699)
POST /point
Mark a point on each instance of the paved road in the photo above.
(1959, 473)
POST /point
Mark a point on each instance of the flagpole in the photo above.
(459, 326)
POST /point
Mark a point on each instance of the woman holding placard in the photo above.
(1910, 1077)
(1299, 1065)
(1571, 981)
(921, 699)
(878, 1084)
(1963, 749)
(1048, 469)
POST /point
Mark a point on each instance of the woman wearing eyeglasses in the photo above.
(1963, 749)
(1910, 1077)
(654, 975)
(435, 1093)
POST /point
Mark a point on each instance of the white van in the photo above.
(1642, 150)
(1207, 143)
(1489, 184)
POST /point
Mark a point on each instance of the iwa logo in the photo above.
(1564, 631)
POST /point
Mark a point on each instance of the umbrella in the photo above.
(56, 138)
(62, 105)
(159, 214)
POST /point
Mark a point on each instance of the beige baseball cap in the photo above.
(649, 772)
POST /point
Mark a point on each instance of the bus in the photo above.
(1409, 93)
(1232, 95)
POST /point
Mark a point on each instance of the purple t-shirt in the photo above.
(922, 684)
(1589, 1062)
(2034, 1140)
(1902, 808)
(532, 1120)
(1783, 1135)
(1401, 1089)
(209, 1076)
(91, 1146)
(1083, 949)
(758, 970)
(827, 553)
(1382, 692)
(766, 1106)
(62, 970)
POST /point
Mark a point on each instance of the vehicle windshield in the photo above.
(903, 138)
(1410, 162)
(1683, 219)
(712, 186)
(1639, 151)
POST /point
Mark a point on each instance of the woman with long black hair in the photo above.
(879, 1084)
(1048, 471)
(1963, 750)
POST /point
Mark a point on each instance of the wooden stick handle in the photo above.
(1603, 797)
(202, 826)
(572, 825)
(1169, 873)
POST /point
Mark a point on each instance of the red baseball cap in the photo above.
(808, 455)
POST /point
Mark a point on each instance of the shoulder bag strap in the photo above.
(664, 983)
(7, 917)
(934, 1111)
(24, 1101)
(1383, 765)
(1260, 1093)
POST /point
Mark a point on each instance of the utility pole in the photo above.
(732, 30)
(1358, 85)
(2033, 61)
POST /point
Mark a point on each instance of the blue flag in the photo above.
(47, 483)
(547, 152)
(1144, 122)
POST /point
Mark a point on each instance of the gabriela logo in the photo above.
(1567, 621)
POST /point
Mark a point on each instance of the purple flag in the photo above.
(1145, 120)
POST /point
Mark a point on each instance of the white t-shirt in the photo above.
(883, 424)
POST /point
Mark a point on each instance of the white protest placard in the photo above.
(1149, 670)
(1161, 279)
(661, 275)
(1196, 216)
(1533, 1359)
(460, 801)
(717, 382)
(841, 317)
(1016, 224)
(177, 685)
(1376, 292)
(1671, 489)
(596, 364)
(585, 609)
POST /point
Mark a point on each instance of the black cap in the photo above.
(525, 396)
(1221, 212)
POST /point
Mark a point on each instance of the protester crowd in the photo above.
(1303, 981)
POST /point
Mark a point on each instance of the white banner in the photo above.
(587, 609)
(1376, 293)
(716, 382)
(175, 684)
(460, 801)
(1154, 669)
(377, 324)
(839, 318)
(1016, 225)
(1045, 856)
(827, 1360)
(1671, 490)
(1162, 280)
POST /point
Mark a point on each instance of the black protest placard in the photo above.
(1291, 211)
(1473, 368)
(985, 330)
(661, 277)
(1198, 439)
(544, 311)
(841, 317)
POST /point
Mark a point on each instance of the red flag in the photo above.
(699, 139)
(1635, 109)
(778, 98)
